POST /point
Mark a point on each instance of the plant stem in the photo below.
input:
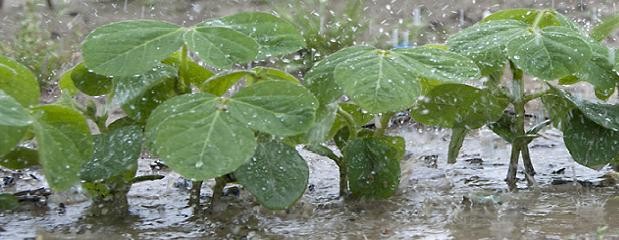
(529, 97)
(218, 189)
(518, 143)
(529, 171)
(350, 121)
(455, 144)
(183, 83)
(538, 18)
(383, 124)
(194, 194)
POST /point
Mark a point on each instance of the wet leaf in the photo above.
(605, 115)
(67, 87)
(360, 116)
(116, 152)
(267, 73)
(8, 201)
(549, 53)
(605, 28)
(89, 82)
(439, 64)
(130, 88)
(194, 73)
(590, 144)
(373, 166)
(320, 130)
(64, 144)
(196, 137)
(130, 47)
(20, 158)
(14, 122)
(140, 107)
(459, 106)
(220, 84)
(485, 43)
(274, 35)
(279, 108)
(526, 15)
(18, 82)
(219, 46)
(599, 71)
(287, 175)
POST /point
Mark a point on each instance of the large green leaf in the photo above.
(219, 46)
(18, 82)
(378, 81)
(64, 143)
(275, 35)
(549, 53)
(277, 175)
(130, 47)
(140, 108)
(437, 64)
(20, 158)
(320, 79)
(526, 15)
(599, 71)
(605, 115)
(373, 166)
(115, 153)
(279, 108)
(130, 88)
(485, 43)
(14, 122)
(459, 106)
(89, 82)
(196, 137)
(590, 144)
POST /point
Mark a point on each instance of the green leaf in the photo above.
(526, 15)
(360, 116)
(14, 123)
(89, 82)
(219, 84)
(503, 127)
(18, 82)
(279, 108)
(438, 64)
(140, 108)
(599, 71)
(266, 73)
(378, 81)
(130, 88)
(590, 144)
(64, 143)
(20, 158)
(455, 143)
(549, 53)
(130, 47)
(485, 43)
(197, 138)
(320, 79)
(67, 87)
(195, 73)
(373, 166)
(605, 28)
(274, 35)
(557, 106)
(219, 46)
(276, 175)
(605, 115)
(8, 202)
(320, 130)
(459, 106)
(115, 153)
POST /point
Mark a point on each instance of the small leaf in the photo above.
(526, 15)
(89, 82)
(20, 158)
(67, 87)
(195, 73)
(219, 46)
(589, 143)
(485, 42)
(373, 166)
(14, 123)
(140, 107)
(8, 202)
(129, 88)
(274, 35)
(279, 108)
(18, 82)
(197, 138)
(64, 144)
(360, 116)
(266, 73)
(130, 47)
(220, 84)
(550, 53)
(459, 106)
(115, 153)
(320, 130)
(287, 173)
(605, 28)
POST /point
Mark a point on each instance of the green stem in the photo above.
(183, 69)
(518, 143)
(529, 97)
(350, 121)
(194, 193)
(455, 144)
(538, 18)
(218, 189)
(383, 124)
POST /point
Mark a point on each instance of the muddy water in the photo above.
(429, 204)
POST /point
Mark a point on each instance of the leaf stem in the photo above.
(529, 97)
(183, 82)
(350, 121)
(383, 124)
(518, 143)
(455, 144)
(538, 18)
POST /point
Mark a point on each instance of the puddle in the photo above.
(467, 200)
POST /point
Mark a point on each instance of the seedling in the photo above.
(378, 83)
(547, 46)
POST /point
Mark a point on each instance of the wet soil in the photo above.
(467, 200)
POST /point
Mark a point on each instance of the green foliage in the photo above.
(286, 170)
(605, 28)
(20, 158)
(18, 82)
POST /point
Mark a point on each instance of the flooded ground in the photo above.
(468, 200)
